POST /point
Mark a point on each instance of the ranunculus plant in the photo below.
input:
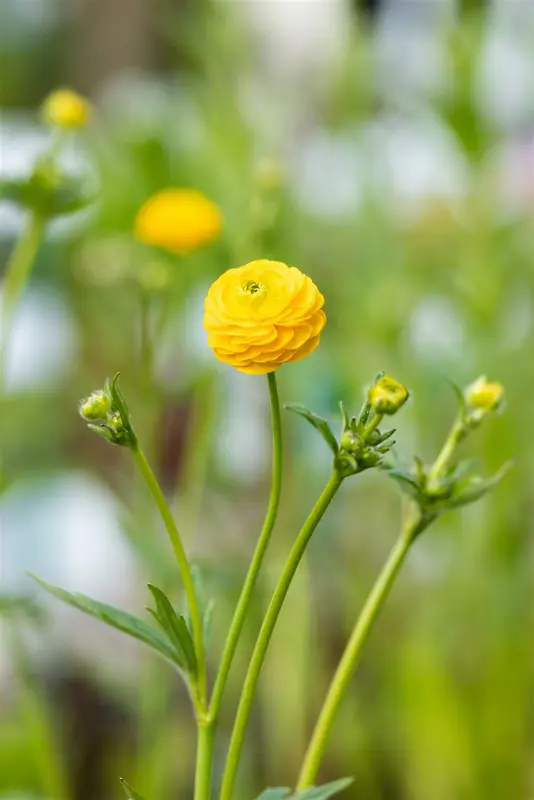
(259, 317)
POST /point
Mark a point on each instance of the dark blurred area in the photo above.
(390, 146)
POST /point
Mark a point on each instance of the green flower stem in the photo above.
(17, 274)
(236, 626)
(453, 439)
(185, 572)
(205, 733)
(341, 680)
(252, 575)
(266, 631)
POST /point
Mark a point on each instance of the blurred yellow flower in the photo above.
(263, 315)
(484, 395)
(66, 109)
(387, 395)
(178, 220)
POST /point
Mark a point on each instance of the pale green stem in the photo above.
(205, 734)
(16, 277)
(375, 421)
(341, 680)
(240, 613)
(440, 464)
(185, 572)
(263, 541)
(266, 632)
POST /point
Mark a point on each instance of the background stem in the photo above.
(185, 572)
(266, 631)
(350, 658)
(16, 277)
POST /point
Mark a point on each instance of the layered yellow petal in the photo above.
(262, 315)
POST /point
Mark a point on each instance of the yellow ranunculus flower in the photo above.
(263, 315)
(178, 220)
(484, 395)
(66, 109)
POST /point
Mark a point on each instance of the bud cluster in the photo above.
(363, 445)
(445, 484)
(107, 407)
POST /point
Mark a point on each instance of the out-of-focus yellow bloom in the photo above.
(387, 395)
(66, 109)
(263, 315)
(483, 395)
(178, 220)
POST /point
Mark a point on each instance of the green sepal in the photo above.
(118, 403)
(406, 483)
(460, 397)
(312, 793)
(116, 618)
(176, 629)
(319, 423)
(130, 793)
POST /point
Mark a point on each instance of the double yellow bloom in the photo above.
(263, 315)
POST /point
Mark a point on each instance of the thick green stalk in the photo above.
(266, 632)
(205, 735)
(185, 572)
(17, 275)
(245, 597)
(350, 658)
(250, 581)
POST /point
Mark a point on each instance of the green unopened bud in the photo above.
(96, 406)
(387, 395)
(482, 395)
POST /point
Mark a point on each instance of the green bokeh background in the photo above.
(442, 707)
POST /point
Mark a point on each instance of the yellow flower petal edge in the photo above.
(178, 220)
(262, 315)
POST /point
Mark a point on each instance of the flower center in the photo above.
(252, 287)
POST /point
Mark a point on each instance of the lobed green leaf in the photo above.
(116, 618)
(319, 423)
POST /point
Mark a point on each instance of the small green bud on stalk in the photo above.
(96, 406)
(483, 397)
(387, 395)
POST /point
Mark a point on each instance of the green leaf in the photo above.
(318, 422)
(344, 417)
(312, 793)
(323, 792)
(131, 793)
(460, 396)
(475, 488)
(121, 620)
(176, 628)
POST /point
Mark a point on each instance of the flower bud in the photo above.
(66, 109)
(387, 395)
(96, 406)
(483, 395)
